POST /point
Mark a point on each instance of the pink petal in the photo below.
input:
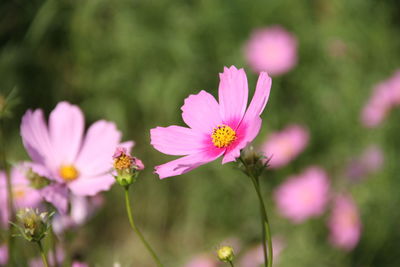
(56, 194)
(35, 138)
(66, 125)
(201, 112)
(260, 97)
(246, 133)
(128, 145)
(96, 155)
(233, 94)
(90, 186)
(176, 140)
(185, 164)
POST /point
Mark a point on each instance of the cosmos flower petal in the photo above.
(185, 164)
(233, 94)
(90, 186)
(66, 126)
(36, 139)
(260, 97)
(176, 140)
(128, 145)
(56, 194)
(101, 140)
(246, 132)
(201, 112)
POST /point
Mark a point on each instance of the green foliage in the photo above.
(134, 62)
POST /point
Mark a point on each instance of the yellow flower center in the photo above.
(123, 162)
(223, 136)
(68, 173)
(18, 193)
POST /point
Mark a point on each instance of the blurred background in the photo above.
(134, 62)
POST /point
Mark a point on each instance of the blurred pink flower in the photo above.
(254, 257)
(202, 261)
(370, 161)
(3, 255)
(385, 96)
(304, 195)
(282, 147)
(344, 223)
(82, 209)
(271, 49)
(378, 106)
(75, 162)
(216, 129)
(79, 264)
(23, 195)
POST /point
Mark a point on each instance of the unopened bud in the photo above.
(225, 254)
(33, 225)
(127, 167)
(254, 161)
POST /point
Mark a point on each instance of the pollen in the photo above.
(222, 136)
(68, 173)
(123, 162)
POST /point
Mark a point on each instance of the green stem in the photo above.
(263, 212)
(53, 246)
(231, 263)
(10, 201)
(44, 259)
(264, 237)
(133, 226)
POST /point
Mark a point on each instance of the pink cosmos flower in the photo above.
(77, 163)
(282, 147)
(23, 195)
(303, 196)
(3, 255)
(216, 129)
(386, 95)
(395, 83)
(344, 223)
(202, 261)
(254, 257)
(378, 106)
(271, 49)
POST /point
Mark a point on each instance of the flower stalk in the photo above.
(266, 231)
(136, 230)
(42, 254)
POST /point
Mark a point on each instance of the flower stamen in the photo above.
(222, 136)
(68, 173)
(124, 161)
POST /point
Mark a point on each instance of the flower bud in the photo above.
(127, 167)
(32, 224)
(254, 161)
(225, 254)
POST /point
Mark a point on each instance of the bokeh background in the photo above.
(134, 62)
